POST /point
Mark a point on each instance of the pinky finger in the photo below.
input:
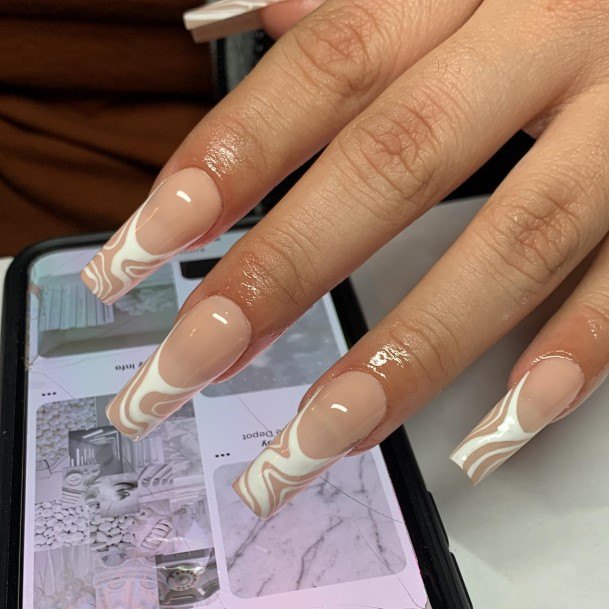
(564, 364)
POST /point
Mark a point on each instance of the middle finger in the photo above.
(320, 75)
(432, 128)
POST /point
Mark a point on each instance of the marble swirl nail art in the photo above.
(222, 10)
(494, 440)
(179, 211)
(337, 418)
(535, 401)
(282, 470)
(147, 400)
(225, 18)
(202, 345)
(122, 263)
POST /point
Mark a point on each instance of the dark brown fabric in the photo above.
(135, 11)
(93, 100)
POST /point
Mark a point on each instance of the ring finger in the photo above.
(549, 213)
(429, 130)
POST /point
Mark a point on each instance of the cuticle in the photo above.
(228, 374)
(215, 181)
(562, 353)
(385, 416)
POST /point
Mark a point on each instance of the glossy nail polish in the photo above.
(536, 400)
(334, 421)
(178, 212)
(202, 345)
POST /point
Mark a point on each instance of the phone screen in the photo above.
(116, 524)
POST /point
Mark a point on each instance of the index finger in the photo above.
(319, 76)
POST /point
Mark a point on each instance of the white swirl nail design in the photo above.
(122, 262)
(179, 211)
(280, 471)
(334, 420)
(148, 400)
(495, 439)
(203, 344)
(224, 9)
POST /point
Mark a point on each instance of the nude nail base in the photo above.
(331, 424)
(202, 345)
(180, 210)
(536, 400)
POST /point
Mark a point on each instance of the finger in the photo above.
(314, 80)
(278, 18)
(547, 215)
(229, 17)
(281, 267)
(565, 363)
(578, 332)
(430, 130)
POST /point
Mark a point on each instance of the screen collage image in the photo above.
(115, 524)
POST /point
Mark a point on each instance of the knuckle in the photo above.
(278, 263)
(595, 311)
(235, 145)
(399, 150)
(428, 341)
(532, 234)
(337, 51)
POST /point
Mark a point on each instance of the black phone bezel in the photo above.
(443, 581)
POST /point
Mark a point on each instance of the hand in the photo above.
(410, 97)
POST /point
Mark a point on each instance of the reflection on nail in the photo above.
(202, 345)
(337, 418)
(542, 393)
(178, 212)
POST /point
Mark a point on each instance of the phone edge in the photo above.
(442, 578)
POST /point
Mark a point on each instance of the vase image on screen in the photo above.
(119, 524)
(187, 580)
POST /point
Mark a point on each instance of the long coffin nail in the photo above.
(224, 18)
(335, 420)
(202, 345)
(178, 212)
(542, 394)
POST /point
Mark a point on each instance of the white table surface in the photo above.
(535, 535)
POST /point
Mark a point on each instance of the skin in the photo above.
(410, 99)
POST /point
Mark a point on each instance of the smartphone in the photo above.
(91, 519)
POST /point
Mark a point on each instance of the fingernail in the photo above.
(179, 211)
(333, 422)
(538, 398)
(202, 345)
(225, 18)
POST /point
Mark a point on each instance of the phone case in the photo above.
(439, 569)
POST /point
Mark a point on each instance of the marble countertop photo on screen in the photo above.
(336, 531)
